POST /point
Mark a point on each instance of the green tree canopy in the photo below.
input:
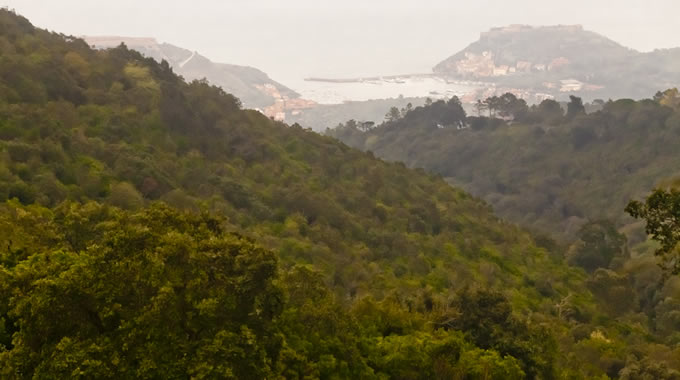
(598, 244)
(661, 212)
(575, 107)
(152, 294)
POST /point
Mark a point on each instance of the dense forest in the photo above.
(565, 174)
(539, 166)
(151, 228)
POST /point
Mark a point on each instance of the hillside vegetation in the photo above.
(545, 169)
(151, 228)
(566, 175)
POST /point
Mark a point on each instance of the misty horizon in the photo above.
(352, 39)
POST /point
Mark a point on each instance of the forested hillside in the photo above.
(543, 168)
(151, 228)
(569, 175)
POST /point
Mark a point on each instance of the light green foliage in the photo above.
(669, 98)
(161, 293)
(146, 295)
(371, 253)
(141, 76)
(443, 355)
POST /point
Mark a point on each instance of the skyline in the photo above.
(351, 38)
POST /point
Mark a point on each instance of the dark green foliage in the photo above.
(546, 171)
(598, 244)
(647, 369)
(487, 318)
(483, 123)
(393, 114)
(661, 212)
(324, 116)
(575, 107)
(507, 106)
(547, 112)
(614, 290)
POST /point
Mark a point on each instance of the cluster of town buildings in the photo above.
(484, 65)
(283, 104)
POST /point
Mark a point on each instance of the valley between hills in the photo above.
(156, 222)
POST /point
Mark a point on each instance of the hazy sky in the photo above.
(291, 39)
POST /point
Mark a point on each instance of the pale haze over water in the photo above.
(294, 39)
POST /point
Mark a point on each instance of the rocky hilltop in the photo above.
(253, 87)
(562, 59)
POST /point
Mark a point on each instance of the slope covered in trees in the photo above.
(569, 175)
(151, 228)
(545, 169)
